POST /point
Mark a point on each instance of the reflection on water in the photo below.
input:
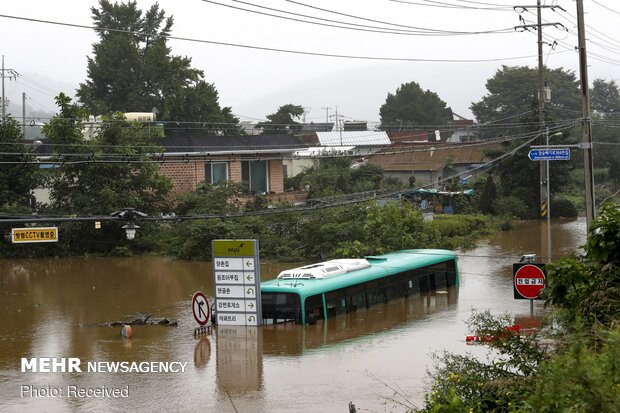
(291, 339)
(52, 307)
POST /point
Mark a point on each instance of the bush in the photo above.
(580, 379)
(463, 383)
(578, 372)
(460, 225)
(510, 206)
(563, 208)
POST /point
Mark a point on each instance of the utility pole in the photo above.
(586, 121)
(542, 96)
(3, 74)
(23, 115)
(544, 175)
(326, 108)
(303, 119)
(339, 126)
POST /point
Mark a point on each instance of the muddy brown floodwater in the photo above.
(52, 308)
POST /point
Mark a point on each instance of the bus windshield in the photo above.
(280, 308)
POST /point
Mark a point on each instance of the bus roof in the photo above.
(380, 266)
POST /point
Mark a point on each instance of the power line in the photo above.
(444, 5)
(316, 204)
(605, 7)
(419, 31)
(270, 49)
(238, 153)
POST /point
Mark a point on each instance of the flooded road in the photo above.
(52, 308)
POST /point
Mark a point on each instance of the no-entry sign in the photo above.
(200, 308)
(529, 280)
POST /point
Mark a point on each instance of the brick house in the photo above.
(257, 160)
(189, 160)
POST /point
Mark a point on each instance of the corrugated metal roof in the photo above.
(353, 138)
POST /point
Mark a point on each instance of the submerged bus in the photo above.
(319, 291)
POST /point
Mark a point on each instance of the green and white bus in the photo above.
(319, 291)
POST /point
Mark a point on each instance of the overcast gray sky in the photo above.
(255, 82)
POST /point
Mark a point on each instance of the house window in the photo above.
(255, 174)
(285, 171)
(216, 172)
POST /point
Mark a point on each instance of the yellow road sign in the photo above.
(38, 234)
(233, 248)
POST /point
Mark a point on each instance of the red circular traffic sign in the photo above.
(200, 308)
(529, 280)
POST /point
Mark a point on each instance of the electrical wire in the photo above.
(209, 154)
(317, 204)
(605, 7)
(419, 31)
(271, 49)
(444, 5)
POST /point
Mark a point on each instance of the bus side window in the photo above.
(314, 308)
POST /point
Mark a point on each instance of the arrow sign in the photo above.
(198, 302)
(559, 154)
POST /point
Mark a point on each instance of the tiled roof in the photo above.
(275, 143)
(178, 143)
(430, 157)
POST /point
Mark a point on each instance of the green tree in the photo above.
(411, 107)
(614, 170)
(212, 199)
(605, 97)
(587, 287)
(513, 91)
(283, 121)
(132, 70)
(101, 188)
(489, 193)
(336, 176)
(518, 176)
(579, 371)
(17, 177)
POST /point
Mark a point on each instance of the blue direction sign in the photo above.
(559, 154)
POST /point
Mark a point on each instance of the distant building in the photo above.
(351, 143)
(257, 160)
(431, 162)
(462, 130)
(355, 126)
(188, 161)
(317, 127)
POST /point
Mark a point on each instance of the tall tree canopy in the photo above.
(283, 121)
(132, 70)
(511, 108)
(513, 91)
(17, 180)
(605, 97)
(411, 107)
